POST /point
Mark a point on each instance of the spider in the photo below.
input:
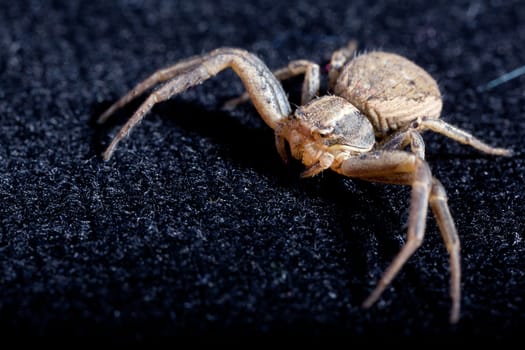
(379, 103)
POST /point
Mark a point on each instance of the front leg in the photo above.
(407, 169)
(154, 79)
(438, 203)
(264, 89)
(399, 168)
(311, 83)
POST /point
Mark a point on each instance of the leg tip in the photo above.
(454, 313)
(367, 303)
(109, 152)
(103, 117)
(506, 152)
(372, 298)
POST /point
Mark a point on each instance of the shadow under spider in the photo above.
(361, 208)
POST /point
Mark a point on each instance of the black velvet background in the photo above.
(195, 227)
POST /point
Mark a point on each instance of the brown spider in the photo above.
(380, 104)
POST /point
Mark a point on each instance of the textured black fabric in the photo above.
(195, 226)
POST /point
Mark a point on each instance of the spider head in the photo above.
(325, 128)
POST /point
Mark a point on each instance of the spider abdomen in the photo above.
(389, 89)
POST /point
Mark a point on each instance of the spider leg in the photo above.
(310, 87)
(441, 127)
(438, 203)
(400, 168)
(157, 77)
(338, 60)
(412, 135)
(403, 168)
(265, 91)
(401, 139)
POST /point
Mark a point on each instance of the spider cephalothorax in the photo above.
(324, 132)
(380, 103)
